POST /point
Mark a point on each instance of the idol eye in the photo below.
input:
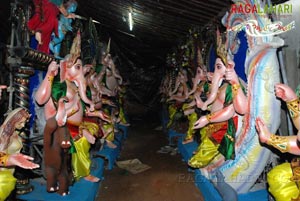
(219, 66)
(77, 66)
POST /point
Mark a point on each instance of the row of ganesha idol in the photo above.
(81, 104)
(234, 120)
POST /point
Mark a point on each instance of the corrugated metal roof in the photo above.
(158, 24)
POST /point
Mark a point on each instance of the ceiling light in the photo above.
(130, 20)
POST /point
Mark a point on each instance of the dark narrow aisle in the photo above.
(168, 178)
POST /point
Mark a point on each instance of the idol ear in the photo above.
(86, 68)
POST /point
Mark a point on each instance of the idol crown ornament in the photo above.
(221, 48)
(76, 47)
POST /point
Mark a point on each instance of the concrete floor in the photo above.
(167, 180)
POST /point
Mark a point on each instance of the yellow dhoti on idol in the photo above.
(109, 132)
(207, 149)
(215, 138)
(122, 116)
(81, 161)
(7, 183)
(7, 180)
(280, 184)
(172, 111)
(192, 119)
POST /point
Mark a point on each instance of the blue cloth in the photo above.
(57, 2)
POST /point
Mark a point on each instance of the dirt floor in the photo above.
(168, 179)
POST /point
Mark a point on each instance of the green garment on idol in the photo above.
(227, 145)
(98, 68)
(59, 89)
(206, 87)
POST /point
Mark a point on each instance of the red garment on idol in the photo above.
(74, 129)
(218, 135)
(45, 21)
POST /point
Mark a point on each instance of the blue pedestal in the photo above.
(173, 136)
(260, 195)
(82, 190)
(209, 192)
(119, 138)
(186, 150)
(164, 117)
(112, 154)
(124, 130)
(207, 189)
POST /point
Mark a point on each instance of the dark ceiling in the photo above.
(158, 24)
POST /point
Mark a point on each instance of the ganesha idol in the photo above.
(63, 92)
